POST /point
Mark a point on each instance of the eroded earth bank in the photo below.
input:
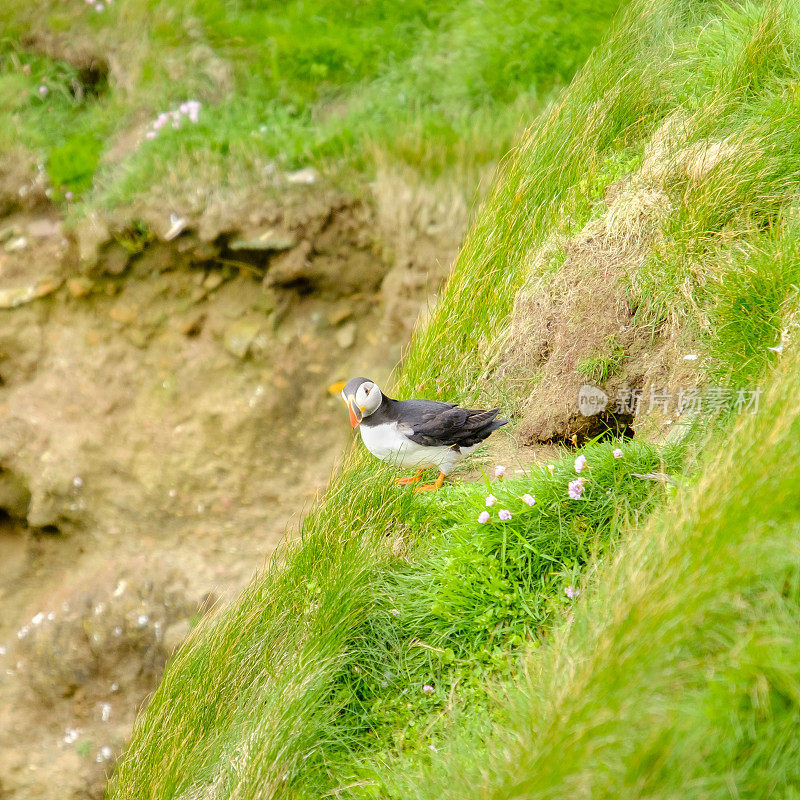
(164, 419)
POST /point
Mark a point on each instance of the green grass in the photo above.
(441, 86)
(675, 673)
(602, 366)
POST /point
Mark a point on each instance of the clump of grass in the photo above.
(486, 581)
(71, 165)
(603, 365)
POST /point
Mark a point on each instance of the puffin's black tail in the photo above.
(479, 425)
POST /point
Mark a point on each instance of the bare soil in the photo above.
(576, 323)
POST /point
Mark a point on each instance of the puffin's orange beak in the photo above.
(355, 412)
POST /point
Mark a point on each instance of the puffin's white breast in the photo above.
(388, 443)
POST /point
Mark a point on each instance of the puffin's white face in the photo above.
(364, 402)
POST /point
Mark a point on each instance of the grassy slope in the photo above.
(680, 674)
(327, 83)
(680, 669)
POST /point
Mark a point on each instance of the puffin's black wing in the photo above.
(436, 424)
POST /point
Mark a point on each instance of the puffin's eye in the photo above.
(366, 390)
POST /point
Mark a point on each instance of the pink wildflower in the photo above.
(580, 463)
(529, 499)
(571, 592)
(491, 500)
(428, 689)
(483, 517)
(617, 453)
(499, 471)
(576, 488)
(504, 514)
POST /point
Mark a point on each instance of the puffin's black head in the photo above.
(362, 398)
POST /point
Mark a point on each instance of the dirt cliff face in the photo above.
(164, 418)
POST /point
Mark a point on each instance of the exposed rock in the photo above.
(113, 628)
(91, 234)
(270, 239)
(240, 335)
(346, 335)
(290, 267)
(80, 286)
(114, 259)
(213, 280)
(44, 227)
(19, 295)
(14, 494)
(155, 416)
(177, 226)
(303, 177)
(16, 244)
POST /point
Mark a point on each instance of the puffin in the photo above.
(416, 433)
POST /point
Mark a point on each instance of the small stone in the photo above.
(268, 240)
(291, 266)
(80, 286)
(338, 316)
(16, 244)
(115, 260)
(346, 335)
(198, 293)
(303, 177)
(124, 314)
(266, 300)
(194, 324)
(213, 280)
(239, 336)
(177, 225)
(19, 295)
(43, 228)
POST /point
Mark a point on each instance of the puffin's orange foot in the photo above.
(408, 481)
(429, 487)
